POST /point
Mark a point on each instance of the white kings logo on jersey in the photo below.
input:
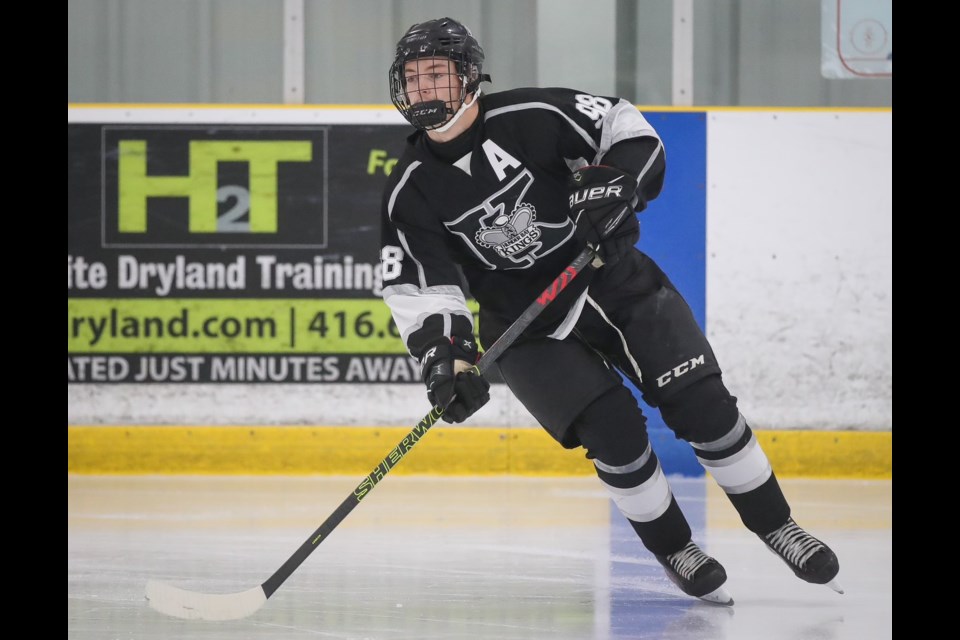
(503, 232)
(511, 234)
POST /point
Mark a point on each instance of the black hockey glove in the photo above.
(600, 205)
(444, 370)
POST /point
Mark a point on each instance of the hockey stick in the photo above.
(181, 603)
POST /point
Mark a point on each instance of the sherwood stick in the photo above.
(193, 605)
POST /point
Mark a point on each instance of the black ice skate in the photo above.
(810, 559)
(697, 574)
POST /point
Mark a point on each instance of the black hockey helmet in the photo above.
(445, 38)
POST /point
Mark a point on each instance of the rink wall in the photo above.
(776, 224)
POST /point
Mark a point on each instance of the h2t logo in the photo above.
(192, 187)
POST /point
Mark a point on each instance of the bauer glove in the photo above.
(601, 205)
(444, 368)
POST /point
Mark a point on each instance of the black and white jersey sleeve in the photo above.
(422, 284)
(592, 130)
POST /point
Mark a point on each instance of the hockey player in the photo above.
(494, 195)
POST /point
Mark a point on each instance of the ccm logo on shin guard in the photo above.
(679, 370)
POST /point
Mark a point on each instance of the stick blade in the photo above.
(190, 605)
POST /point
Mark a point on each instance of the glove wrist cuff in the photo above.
(449, 350)
(464, 349)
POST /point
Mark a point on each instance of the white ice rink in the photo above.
(459, 558)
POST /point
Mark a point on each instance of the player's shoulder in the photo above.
(530, 97)
(408, 154)
(401, 168)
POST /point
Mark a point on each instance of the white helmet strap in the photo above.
(463, 107)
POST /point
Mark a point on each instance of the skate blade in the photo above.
(833, 584)
(718, 596)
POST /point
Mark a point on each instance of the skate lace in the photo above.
(793, 543)
(686, 561)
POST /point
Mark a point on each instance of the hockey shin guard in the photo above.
(739, 466)
(613, 431)
(642, 494)
(706, 415)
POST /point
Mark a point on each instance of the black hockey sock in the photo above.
(763, 509)
(740, 467)
(667, 534)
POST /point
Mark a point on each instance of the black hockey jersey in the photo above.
(495, 222)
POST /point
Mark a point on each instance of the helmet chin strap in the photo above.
(463, 107)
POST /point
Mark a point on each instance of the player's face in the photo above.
(432, 79)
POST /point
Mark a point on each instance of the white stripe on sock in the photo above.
(646, 502)
(743, 471)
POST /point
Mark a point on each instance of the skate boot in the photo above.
(697, 574)
(810, 559)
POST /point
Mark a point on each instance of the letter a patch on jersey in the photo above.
(499, 159)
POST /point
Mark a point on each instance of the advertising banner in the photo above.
(229, 253)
